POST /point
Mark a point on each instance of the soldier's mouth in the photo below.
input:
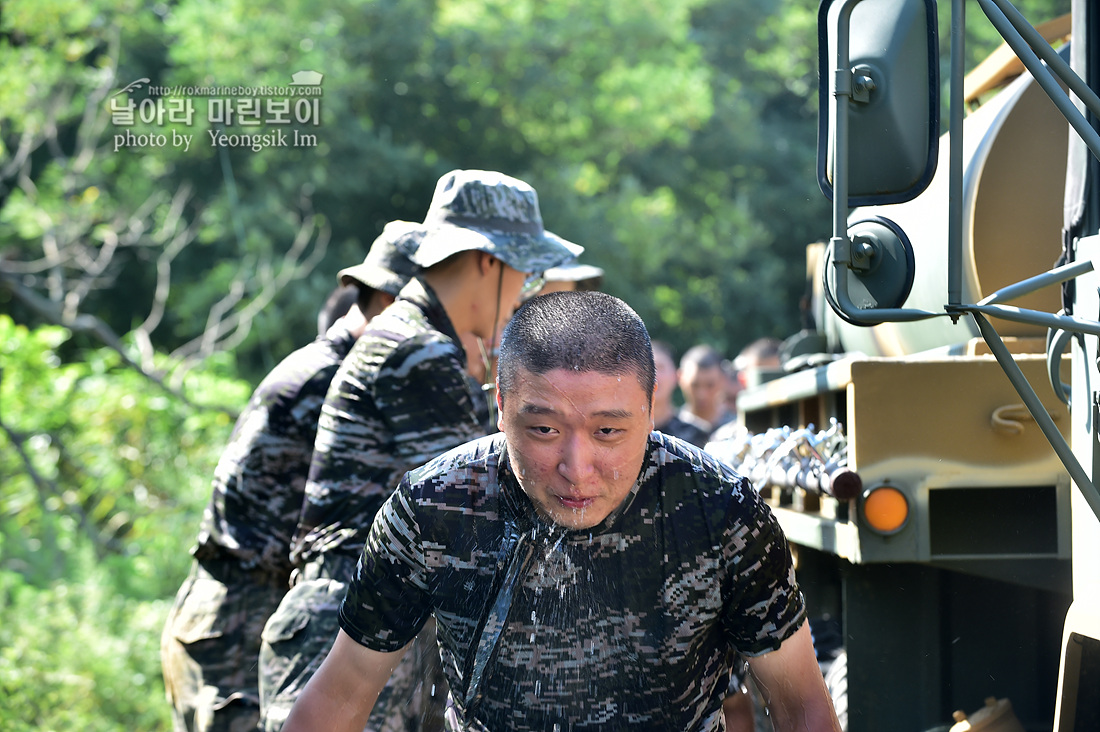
(574, 503)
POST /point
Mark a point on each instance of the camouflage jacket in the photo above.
(260, 479)
(634, 623)
(399, 399)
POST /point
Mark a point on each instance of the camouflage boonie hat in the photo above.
(489, 212)
(386, 268)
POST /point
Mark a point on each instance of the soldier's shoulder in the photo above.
(395, 343)
(475, 458)
(428, 352)
(308, 369)
(674, 456)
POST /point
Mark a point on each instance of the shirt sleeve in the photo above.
(765, 605)
(387, 602)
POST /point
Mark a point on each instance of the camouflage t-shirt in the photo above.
(400, 398)
(260, 479)
(634, 623)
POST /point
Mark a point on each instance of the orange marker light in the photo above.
(885, 509)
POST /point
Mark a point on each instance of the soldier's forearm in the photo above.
(341, 695)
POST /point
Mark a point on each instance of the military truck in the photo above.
(930, 446)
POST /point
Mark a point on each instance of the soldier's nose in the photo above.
(576, 461)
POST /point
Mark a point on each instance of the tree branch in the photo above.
(228, 327)
(88, 324)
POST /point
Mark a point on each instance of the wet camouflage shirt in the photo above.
(399, 399)
(260, 479)
(631, 624)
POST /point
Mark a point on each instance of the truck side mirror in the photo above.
(893, 108)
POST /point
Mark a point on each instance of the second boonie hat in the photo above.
(573, 272)
(386, 267)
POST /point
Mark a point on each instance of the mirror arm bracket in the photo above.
(842, 83)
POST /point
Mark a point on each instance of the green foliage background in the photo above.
(675, 139)
(104, 477)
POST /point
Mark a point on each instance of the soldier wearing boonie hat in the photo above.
(211, 641)
(400, 398)
(497, 214)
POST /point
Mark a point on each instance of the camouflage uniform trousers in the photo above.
(211, 643)
(302, 631)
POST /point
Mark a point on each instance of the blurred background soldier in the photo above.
(211, 642)
(401, 397)
(756, 363)
(665, 417)
(703, 384)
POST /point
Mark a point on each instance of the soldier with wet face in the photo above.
(584, 571)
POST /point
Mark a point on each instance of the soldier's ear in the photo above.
(485, 262)
(500, 407)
